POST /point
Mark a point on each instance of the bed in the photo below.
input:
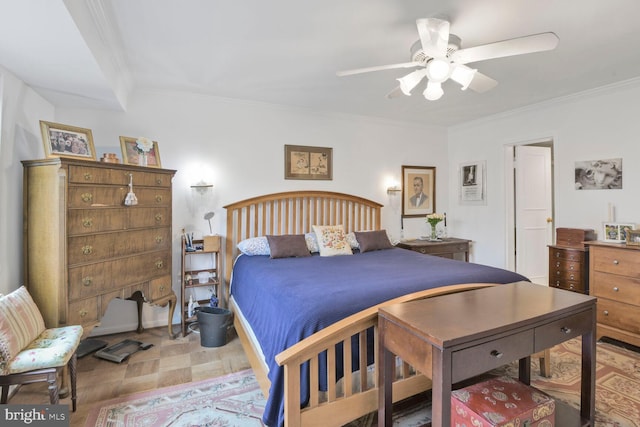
(312, 353)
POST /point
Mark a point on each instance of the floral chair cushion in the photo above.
(52, 348)
(20, 323)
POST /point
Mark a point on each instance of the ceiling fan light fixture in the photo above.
(434, 91)
(411, 80)
(438, 70)
(463, 75)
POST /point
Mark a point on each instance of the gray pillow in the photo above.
(373, 240)
(288, 245)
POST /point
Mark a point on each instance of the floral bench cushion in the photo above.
(52, 348)
(20, 323)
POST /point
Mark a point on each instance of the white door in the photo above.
(533, 211)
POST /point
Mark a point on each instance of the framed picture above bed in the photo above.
(302, 162)
(418, 190)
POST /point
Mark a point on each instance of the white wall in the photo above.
(20, 139)
(601, 124)
(240, 145)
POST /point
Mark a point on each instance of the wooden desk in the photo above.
(461, 335)
(449, 247)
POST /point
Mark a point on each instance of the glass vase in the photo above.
(142, 159)
(434, 233)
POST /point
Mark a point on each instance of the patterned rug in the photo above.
(236, 399)
(230, 400)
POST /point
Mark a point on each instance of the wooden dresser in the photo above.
(615, 281)
(83, 246)
(569, 260)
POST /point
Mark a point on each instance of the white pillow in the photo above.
(255, 246)
(312, 242)
(332, 240)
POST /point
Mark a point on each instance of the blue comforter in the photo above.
(288, 299)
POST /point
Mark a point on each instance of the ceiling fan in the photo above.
(438, 57)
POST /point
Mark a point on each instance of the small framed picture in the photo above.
(616, 232)
(418, 191)
(67, 141)
(302, 162)
(472, 183)
(633, 237)
(133, 153)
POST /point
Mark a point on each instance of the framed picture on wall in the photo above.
(67, 141)
(616, 232)
(418, 190)
(472, 183)
(302, 162)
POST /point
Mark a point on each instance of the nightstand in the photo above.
(449, 247)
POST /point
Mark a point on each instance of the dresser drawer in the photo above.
(567, 265)
(86, 221)
(89, 175)
(149, 217)
(561, 330)
(83, 312)
(565, 275)
(153, 196)
(617, 261)
(569, 285)
(487, 356)
(87, 197)
(565, 254)
(619, 315)
(617, 288)
(97, 247)
(160, 287)
(89, 280)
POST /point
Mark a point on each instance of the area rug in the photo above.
(230, 400)
(236, 399)
(617, 381)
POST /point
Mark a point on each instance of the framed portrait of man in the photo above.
(418, 190)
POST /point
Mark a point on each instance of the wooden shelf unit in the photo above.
(193, 264)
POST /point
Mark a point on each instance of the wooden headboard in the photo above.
(294, 212)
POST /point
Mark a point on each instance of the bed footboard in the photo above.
(356, 394)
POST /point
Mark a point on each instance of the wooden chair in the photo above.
(30, 353)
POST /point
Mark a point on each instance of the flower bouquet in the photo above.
(433, 219)
(143, 146)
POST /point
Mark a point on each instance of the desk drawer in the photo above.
(561, 330)
(484, 357)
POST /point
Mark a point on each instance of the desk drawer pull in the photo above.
(496, 354)
(565, 330)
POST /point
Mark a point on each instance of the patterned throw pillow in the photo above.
(255, 246)
(20, 322)
(332, 240)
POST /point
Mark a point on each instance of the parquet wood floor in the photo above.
(168, 362)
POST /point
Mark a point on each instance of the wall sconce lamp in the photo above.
(202, 187)
(393, 190)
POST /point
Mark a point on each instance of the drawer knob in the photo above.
(616, 262)
(616, 289)
(557, 254)
(88, 176)
(572, 277)
(423, 251)
(565, 330)
(87, 222)
(571, 268)
(87, 250)
(159, 198)
(558, 264)
(158, 181)
(162, 288)
(158, 217)
(159, 264)
(87, 197)
(159, 239)
(83, 313)
(606, 312)
(496, 354)
(87, 281)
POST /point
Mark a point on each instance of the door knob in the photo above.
(549, 220)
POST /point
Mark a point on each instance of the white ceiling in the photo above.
(93, 53)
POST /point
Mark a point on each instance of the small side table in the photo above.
(450, 247)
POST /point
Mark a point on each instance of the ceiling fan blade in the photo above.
(517, 46)
(396, 92)
(482, 83)
(377, 68)
(434, 36)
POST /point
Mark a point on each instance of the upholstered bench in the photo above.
(31, 353)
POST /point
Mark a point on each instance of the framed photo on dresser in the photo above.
(67, 141)
(616, 232)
